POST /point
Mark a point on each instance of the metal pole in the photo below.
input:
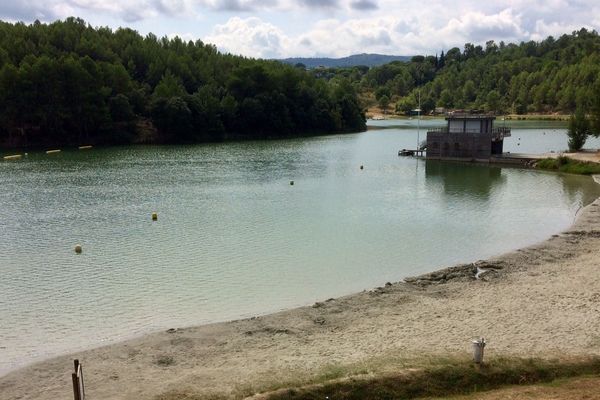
(419, 121)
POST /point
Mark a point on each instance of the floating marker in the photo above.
(78, 249)
(52, 151)
(292, 183)
(13, 157)
(154, 216)
(84, 147)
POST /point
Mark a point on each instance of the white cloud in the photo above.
(478, 27)
(281, 28)
(390, 35)
(250, 37)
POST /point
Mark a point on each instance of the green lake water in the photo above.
(233, 237)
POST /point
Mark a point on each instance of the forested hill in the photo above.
(67, 83)
(369, 60)
(554, 75)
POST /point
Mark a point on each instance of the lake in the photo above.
(233, 237)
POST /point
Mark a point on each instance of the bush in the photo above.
(568, 165)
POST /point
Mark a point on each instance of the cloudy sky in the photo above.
(334, 28)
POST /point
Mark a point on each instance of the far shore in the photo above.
(379, 114)
(540, 301)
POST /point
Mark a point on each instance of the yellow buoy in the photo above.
(52, 151)
(154, 216)
(13, 157)
(78, 249)
(84, 147)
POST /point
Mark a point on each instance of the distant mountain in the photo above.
(371, 60)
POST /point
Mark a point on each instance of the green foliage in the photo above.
(568, 165)
(406, 105)
(595, 112)
(452, 378)
(384, 102)
(553, 75)
(579, 129)
(66, 83)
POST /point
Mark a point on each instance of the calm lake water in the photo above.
(235, 239)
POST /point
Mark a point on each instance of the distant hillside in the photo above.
(554, 75)
(370, 60)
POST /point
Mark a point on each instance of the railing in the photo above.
(501, 132)
(497, 133)
(438, 130)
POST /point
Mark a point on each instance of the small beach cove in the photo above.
(297, 326)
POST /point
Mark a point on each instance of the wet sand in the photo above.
(542, 300)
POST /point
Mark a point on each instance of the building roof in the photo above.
(464, 115)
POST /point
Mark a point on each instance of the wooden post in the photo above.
(77, 377)
(75, 387)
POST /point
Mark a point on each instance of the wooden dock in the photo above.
(411, 153)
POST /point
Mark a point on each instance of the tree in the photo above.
(579, 129)
(382, 91)
(469, 91)
(595, 111)
(406, 105)
(493, 101)
(446, 98)
(169, 86)
(384, 102)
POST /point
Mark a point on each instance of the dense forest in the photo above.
(554, 75)
(66, 83)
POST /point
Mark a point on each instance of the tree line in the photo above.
(553, 75)
(67, 83)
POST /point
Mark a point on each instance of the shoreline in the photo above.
(351, 329)
(508, 117)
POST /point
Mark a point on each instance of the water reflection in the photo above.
(460, 180)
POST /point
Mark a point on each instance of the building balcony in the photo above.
(497, 133)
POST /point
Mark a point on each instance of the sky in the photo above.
(324, 28)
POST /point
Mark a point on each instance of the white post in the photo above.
(478, 346)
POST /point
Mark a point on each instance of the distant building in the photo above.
(467, 136)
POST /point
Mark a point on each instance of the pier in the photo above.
(412, 153)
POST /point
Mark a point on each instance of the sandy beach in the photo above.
(542, 301)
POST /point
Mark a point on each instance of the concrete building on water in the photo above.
(466, 137)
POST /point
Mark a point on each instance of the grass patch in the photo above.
(456, 378)
(569, 166)
(164, 361)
